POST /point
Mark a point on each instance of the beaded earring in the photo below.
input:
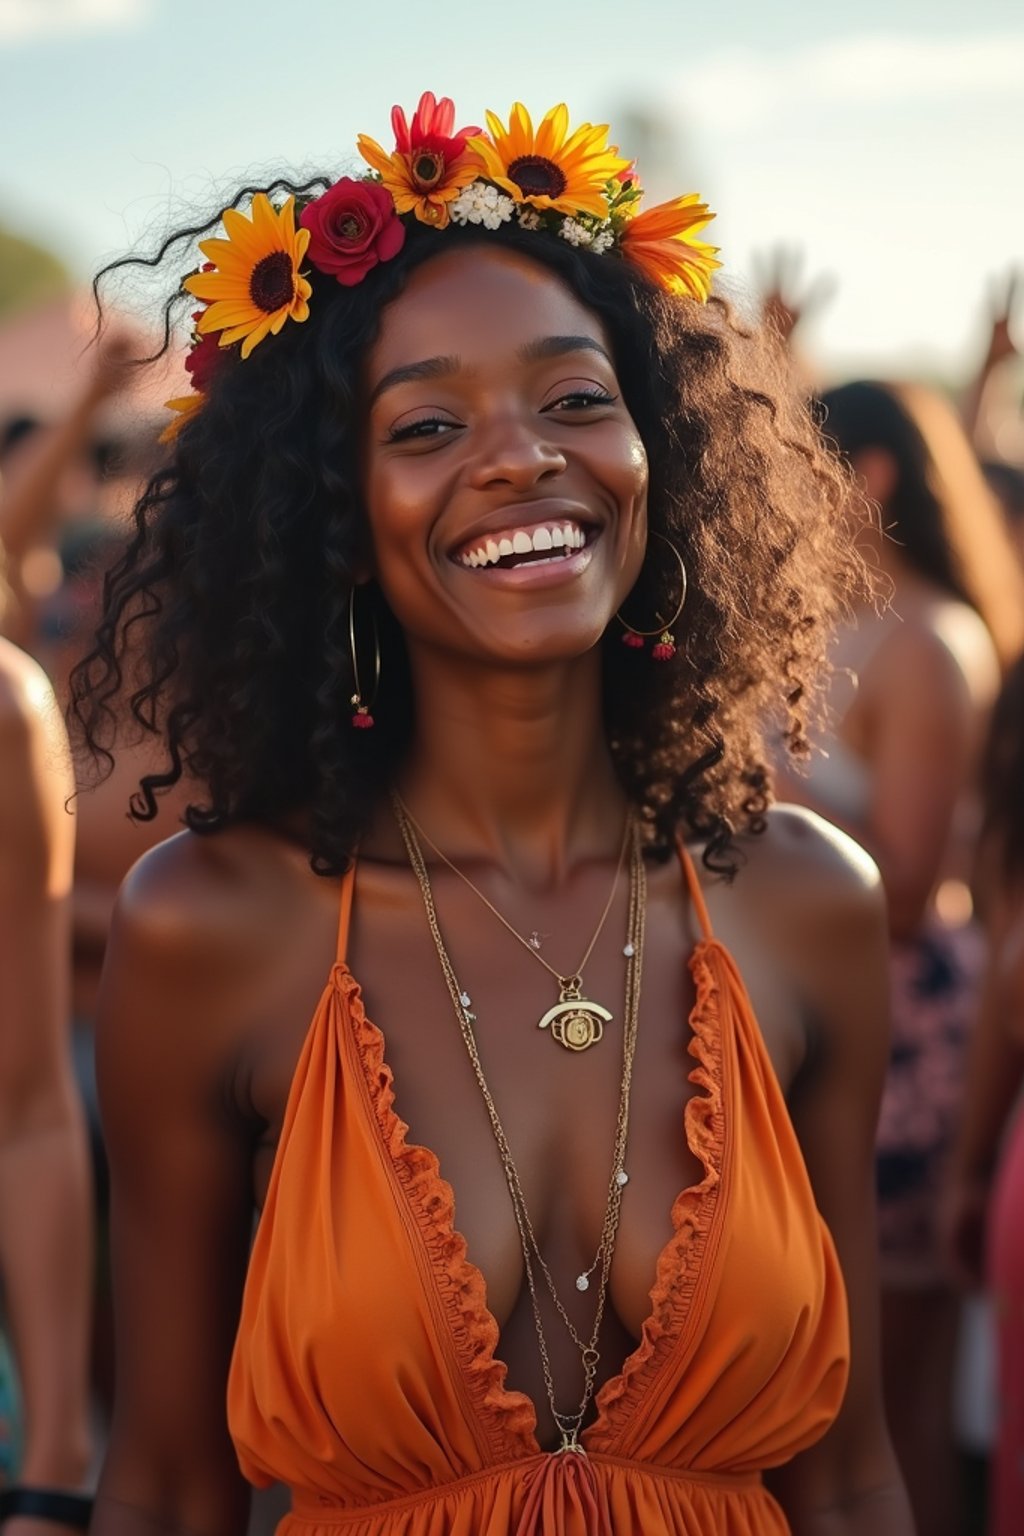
(664, 647)
(362, 719)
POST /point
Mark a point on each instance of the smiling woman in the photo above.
(506, 435)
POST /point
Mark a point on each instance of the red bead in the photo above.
(663, 651)
(362, 719)
(633, 640)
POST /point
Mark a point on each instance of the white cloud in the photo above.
(738, 88)
(26, 20)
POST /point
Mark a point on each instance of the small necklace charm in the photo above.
(575, 1021)
(583, 1282)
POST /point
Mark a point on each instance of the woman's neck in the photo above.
(513, 765)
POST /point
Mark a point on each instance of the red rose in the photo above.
(352, 227)
(204, 360)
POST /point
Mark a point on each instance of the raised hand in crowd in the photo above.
(786, 299)
(1000, 346)
(32, 506)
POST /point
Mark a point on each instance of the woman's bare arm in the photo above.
(848, 1484)
(181, 1198)
(45, 1196)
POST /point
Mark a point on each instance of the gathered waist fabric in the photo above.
(557, 1495)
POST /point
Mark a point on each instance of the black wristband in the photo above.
(74, 1509)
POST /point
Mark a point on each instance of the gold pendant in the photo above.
(575, 1021)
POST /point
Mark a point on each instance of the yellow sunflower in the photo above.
(256, 286)
(660, 241)
(546, 168)
(186, 407)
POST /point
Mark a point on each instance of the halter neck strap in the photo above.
(348, 882)
(696, 894)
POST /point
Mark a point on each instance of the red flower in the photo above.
(432, 128)
(203, 361)
(352, 227)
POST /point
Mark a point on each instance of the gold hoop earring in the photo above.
(665, 646)
(362, 718)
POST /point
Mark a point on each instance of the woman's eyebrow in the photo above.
(557, 346)
(429, 368)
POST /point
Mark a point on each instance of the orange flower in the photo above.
(661, 243)
(186, 406)
(430, 166)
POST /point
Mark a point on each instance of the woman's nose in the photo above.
(517, 454)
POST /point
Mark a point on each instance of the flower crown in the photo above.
(575, 186)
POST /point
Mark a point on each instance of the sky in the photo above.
(883, 144)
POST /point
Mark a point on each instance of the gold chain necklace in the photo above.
(576, 1021)
(568, 1424)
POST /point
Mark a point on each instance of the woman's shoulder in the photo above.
(28, 705)
(807, 861)
(939, 643)
(216, 938)
(213, 896)
(809, 888)
(35, 765)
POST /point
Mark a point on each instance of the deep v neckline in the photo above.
(508, 1418)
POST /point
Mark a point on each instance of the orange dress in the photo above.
(365, 1375)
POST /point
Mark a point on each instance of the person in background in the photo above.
(45, 1207)
(38, 460)
(108, 842)
(984, 1225)
(910, 700)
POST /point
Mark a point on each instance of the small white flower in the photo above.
(575, 232)
(480, 203)
(603, 241)
(529, 218)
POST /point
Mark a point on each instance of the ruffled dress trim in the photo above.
(506, 1418)
(681, 1262)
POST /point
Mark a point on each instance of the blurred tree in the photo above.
(29, 273)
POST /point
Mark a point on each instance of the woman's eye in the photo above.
(580, 399)
(426, 427)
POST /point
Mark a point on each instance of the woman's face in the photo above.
(505, 480)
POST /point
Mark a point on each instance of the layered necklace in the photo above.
(569, 1424)
(575, 1020)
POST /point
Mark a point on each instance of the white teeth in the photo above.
(489, 551)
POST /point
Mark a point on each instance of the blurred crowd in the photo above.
(922, 762)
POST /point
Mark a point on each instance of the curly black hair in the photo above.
(225, 624)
